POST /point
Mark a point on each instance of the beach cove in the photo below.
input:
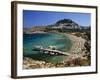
(59, 61)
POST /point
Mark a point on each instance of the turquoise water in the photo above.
(45, 39)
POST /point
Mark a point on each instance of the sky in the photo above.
(37, 18)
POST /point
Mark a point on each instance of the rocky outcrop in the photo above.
(29, 63)
(67, 23)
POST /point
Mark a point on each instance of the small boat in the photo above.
(52, 47)
(37, 48)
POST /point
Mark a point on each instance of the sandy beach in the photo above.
(77, 43)
(77, 52)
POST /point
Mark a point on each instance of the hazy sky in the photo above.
(36, 18)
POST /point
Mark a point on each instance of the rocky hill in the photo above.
(66, 24)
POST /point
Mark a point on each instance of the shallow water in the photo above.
(45, 39)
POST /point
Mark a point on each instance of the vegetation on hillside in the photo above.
(64, 21)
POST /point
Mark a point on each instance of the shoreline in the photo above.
(77, 43)
(77, 51)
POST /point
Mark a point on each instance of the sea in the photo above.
(62, 43)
